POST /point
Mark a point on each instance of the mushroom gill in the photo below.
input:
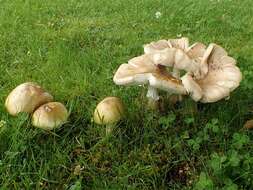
(222, 78)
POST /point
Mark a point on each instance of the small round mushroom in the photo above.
(108, 112)
(26, 98)
(50, 116)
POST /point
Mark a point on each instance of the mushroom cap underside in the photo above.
(219, 75)
(222, 78)
(141, 70)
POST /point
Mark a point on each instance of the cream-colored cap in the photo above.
(50, 116)
(177, 54)
(26, 98)
(141, 70)
(222, 78)
(109, 111)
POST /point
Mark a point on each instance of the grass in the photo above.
(72, 48)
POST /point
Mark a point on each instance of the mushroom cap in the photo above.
(109, 111)
(192, 87)
(176, 53)
(50, 115)
(181, 43)
(197, 50)
(141, 70)
(223, 76)
(26, 98)
(135, 72)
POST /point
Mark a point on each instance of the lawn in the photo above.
(72, 48)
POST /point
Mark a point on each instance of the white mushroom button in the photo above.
(50, 116)
(26, 98)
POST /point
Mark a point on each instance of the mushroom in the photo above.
(108, 112)
(223, 76)
(50, 116)
(26, 98)
(210, 74)
(151, 68)
(141, 70)
(179, 56)
(182, 44)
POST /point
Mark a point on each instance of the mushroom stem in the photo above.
(109, 129)
(176, 98)
(153, 97)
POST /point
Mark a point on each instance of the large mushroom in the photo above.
(26, 98)
(141, 70)
(151, 68)
(223, 76)
(209, 73)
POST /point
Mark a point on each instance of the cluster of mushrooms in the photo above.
(206, 74)
(32, 99)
